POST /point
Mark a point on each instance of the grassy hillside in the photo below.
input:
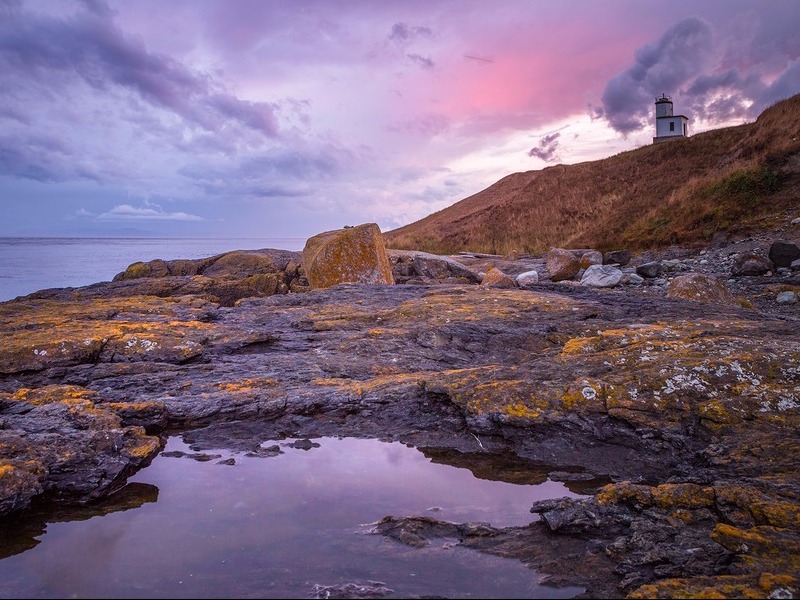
(678, 192)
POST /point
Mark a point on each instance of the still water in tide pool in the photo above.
(239, 526)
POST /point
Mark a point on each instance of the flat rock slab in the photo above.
(644, 391)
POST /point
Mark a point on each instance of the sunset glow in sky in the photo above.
(262, 118)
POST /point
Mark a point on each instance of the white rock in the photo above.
(527, 278)
(601, 276)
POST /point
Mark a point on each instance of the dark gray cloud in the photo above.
(680, 55)
(687, 64)
(88, 45)
(282, 173)
(547, 149)
(40, 157)
(402, 33)
(425, 63)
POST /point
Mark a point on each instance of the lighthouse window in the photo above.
(672, 125)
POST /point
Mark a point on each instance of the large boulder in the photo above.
(751, 264)
(349, 255)
(562, 264)
(700, 287)
(783, 253)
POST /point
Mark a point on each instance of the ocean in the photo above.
(28, 265)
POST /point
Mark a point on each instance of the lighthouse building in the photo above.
(669, 126)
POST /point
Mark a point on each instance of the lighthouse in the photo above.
(669, 126)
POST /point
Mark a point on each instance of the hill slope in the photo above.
(734, 179)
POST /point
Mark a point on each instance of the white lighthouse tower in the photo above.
(668, 125)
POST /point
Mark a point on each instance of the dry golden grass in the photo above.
(680, 192)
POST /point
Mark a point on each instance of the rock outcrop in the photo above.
(410, 266)
(350, 255)
(680, 409)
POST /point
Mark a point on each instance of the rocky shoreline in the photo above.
(689, 407)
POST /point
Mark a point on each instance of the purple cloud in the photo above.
(402, 33)
(92, 47)
(425, 63)
(680, 55)
(547, 150)
(713, 77)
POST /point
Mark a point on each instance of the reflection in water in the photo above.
(19, 534)
(514, 469)
(279, 524)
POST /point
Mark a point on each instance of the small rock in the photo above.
(527, 278)
(750, 264)
(591, 257)
(495, 278)
(786, 298)
(620, 257)
(632, 279)
(304, 444)
(649, 269)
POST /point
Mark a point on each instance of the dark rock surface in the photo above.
(689, 409)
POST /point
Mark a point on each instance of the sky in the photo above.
(286, 118)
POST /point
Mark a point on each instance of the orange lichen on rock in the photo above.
(47, 333)
(246, 385)
(349, 255)
(765, 585)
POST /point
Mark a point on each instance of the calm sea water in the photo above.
(31, 264)
(276, 527)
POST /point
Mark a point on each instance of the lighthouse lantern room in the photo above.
(669, 126)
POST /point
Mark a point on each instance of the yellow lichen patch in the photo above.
(737, 501)
(587, 395)
(145, 446)
(625, 491)
(777, 514)
(5, 469)
(48, 394)
(763, 541)
(44, 333)
(610, 339)
(521, 411)
(582, 345)
(716, 414)
(246, 384)
(683, 495)
(512, 397)
(769, 582)
(472, 303)
(721, 586)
